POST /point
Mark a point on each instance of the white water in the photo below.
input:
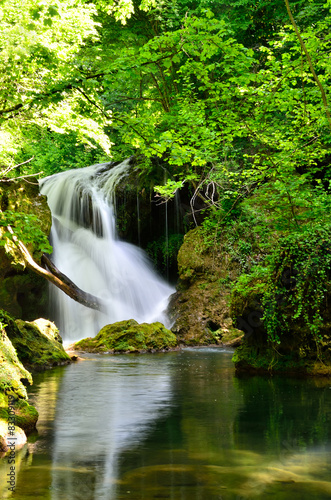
(86, 248)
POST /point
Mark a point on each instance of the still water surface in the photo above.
(178, 426)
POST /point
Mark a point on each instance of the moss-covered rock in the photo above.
(200, 307)
(22, 293)
(129, 336)
(13, 380)
(13, 376)
(35, 348)
(26, 416)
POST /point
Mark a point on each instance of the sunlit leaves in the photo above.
(123, 9)
(38, 44)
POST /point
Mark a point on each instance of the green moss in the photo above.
(13, 375)
(35, 348)
(129, 336)
(26, 416)
(200, 308)
(191, 259)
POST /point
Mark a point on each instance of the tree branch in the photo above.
(304, 48)
(56, 277)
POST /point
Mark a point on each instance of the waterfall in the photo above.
(86, 249)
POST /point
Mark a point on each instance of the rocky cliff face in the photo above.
(200, 307)
(22, 293)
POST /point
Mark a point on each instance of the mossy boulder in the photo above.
(37, 343)
(129, 336)
(22, 292)
(200, 307)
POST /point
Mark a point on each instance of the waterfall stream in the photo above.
(86, 248)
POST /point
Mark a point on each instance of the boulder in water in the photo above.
(129, 336)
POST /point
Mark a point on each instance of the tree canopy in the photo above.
(232, 98)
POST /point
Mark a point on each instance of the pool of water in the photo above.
(177, 425)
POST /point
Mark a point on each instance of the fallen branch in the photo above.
(55, 276)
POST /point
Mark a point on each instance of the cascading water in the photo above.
(86, 249)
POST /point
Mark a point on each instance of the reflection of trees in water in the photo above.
(185, 452)
(283, 414)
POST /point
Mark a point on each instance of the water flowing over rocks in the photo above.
(86, 248)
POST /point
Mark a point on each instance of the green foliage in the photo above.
(168, 190)
(39, 49)
(222, 95)
(233, 231)
(291, 285)
(26, 227)
(299, 282)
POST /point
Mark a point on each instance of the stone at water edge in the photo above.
(13, 379)
(13, 376)
(6, 438)
(129, 336)
(48, 328)
(36, 343)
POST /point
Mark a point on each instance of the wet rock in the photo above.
(13, 376)
(6, 439)
(234, 342)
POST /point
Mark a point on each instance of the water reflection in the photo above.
(103, 408)
(178, 426)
